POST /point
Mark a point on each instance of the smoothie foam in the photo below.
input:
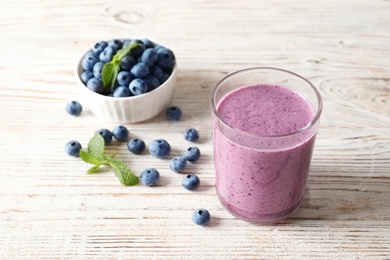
(258, 178)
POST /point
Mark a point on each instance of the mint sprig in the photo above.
(95, 155)
(111, 69)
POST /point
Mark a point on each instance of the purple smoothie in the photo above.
(261, 177)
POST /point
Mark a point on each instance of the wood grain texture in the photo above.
(50, 209)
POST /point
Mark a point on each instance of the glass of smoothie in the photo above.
(264, 123)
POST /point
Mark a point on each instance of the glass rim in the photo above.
(306, 127)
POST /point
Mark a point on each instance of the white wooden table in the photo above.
(51, 209)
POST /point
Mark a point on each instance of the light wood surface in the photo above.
(51, 209)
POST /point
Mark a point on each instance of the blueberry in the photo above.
(138, 87)
(85, 76)
(148, 43)
(173, 113)
(178, 164)
(96, 85)
(89, 62)
(106, 134)
(192, 154)
(73, 148)
(157, 71)
(91, 54)
(127, 63)
(73, 108)
(97, 70)
(201, 217)
(124, 78)
(190, 182)
(115, 44)
(126, 43)
(149, 177)
(191, 135)
(152, 82)
(120, 133)
(149, 56)
(99, 47)
(107, 54)
(165, 58)
(164, 77)
(159, 148)
(121, 91)
(136, 146)
(138, 50)
(140, 70)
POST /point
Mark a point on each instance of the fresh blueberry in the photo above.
(164, 77)
(157, 71)
(89, 62)
(159, 148)
(127, 63)
(120, 133)
(91, 54)
(173, 113)
(192, 154)
(178, 164)
(190, 182)
(149, 177)
(96, 85)
(106, 134)
(86, 75)
(107, 54)
(152, 82)
(99, 47)
(97, 70)
(149, 56)
(115, 44)
(201, 217)
(73, 108)
(148, 43)
(126, 43)
(158, 46)
(121, 91)
(191, 135)
(124, 78)
(136, 146)
(165, 58)
(138, 50)
(140, 70)
(138, 87)
(73, 148)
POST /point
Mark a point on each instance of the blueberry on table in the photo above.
(190, 182)
(178, 164)
(140, 70)
(136, 146)
(106, 134)
(73, 108)
(99, 47)
(191, 135)
(159, 148)
(201, 217)
(149, 177)
(73, 148)
(173, 113)
(192, 154)
(122, 91)
(138, 87)
(120, 133)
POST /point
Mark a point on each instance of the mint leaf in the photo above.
(123, 173)
(96, 146)
(111, 69)
(90, 158)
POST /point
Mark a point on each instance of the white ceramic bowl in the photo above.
(129, 109)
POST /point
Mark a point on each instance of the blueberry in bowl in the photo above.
(127, 80)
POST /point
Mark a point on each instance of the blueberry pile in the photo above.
(144, 69)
